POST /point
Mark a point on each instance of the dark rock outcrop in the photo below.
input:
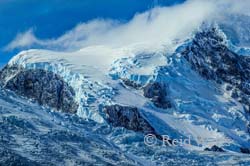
(157, 92)
(214, 149)
(245, 150)
(210, 57)
(42, 86)
(248, 127)
(127, 117)
(131, 83)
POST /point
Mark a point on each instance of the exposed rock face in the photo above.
(210, 57)
(245, 150)
(248, 127)
(157, 92)
(131, 83)
(127, 117)
(44, 87)
(214, 149)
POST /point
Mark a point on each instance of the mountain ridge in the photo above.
(201, 108)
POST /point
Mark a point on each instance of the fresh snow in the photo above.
(202, 109)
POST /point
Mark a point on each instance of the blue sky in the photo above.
(52, 18)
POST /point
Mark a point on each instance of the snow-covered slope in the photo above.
(198, 108)
(34, 135)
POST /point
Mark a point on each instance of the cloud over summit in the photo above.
(156, 27)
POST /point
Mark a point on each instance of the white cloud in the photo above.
(23, 40)
(154, 28)
(233, 6)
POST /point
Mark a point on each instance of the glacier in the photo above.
(109, 98)
(202, 110)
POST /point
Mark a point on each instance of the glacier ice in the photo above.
(200, 108)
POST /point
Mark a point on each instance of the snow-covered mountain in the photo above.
(196, 89)
(131, 102)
